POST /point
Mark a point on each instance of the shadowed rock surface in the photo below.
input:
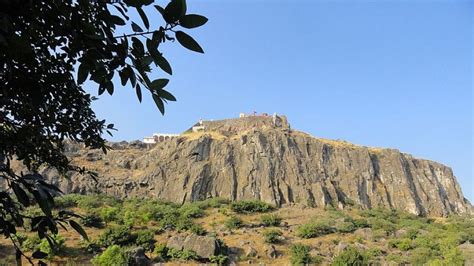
(262, 158)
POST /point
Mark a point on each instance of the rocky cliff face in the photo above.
(271, 163)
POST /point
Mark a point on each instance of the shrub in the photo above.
(350, 256)
(373, 253)
(300, 254)
(185, 254)
(272, 235)
(88, 202)
(92, 220)
(109, 214)
(270, 219)
(233, 222)
(117, 235)
(314, 229)
(421, 256)
(402, 244)
(67, 201)
(112, 256)
(56, 249)
(213, 203)
(219, 259)
(161, 251)
(191, 210)
(360, 223)
(345, 227)
(31, 243)
(198, 230)
(144, 238)
(251, 206)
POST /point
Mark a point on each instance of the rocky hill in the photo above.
(262, 158)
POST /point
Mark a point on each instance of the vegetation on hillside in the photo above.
(332, 236)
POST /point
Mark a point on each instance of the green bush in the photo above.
(161, 252)
(233, 222)
(144, 238)
(270, 219)
(251, 206)
(31, 243)
(272, 235)
(350, 256)
(110, 214)
(314, 229)
(92, 220)
(219, 259)
(67, 201)
(421, 256)
(185, 254)
(88, 202)
(361, 223)
(403, 244)
(198, 230)
(191, 210)
(56, 249)
(345, 227)
(116, 235)
(300, 254)
(112, 256)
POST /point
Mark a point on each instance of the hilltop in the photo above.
(261, 157)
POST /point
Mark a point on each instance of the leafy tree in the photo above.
(43, 44)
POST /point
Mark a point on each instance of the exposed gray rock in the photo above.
(138, 257)
(204, 246)
(257, 158)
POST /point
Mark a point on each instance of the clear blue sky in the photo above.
(395, 74)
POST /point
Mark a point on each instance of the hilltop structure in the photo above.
(159, 137)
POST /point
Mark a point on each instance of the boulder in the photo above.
(138, 257)
(204, 246)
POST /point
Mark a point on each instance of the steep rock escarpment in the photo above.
(272, 164)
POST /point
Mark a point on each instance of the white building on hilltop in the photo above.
(159, 137)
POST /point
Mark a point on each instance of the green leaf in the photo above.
(42, 202)
(159, 60)
(117, 20)
(110, 87)
(82, 73)
(162, 63)
(39, 255)
(188, 42)
(159, 84)
(21, 195)
(78, 229)
(131, 75)
(160, 9)
(159, 103)
(192, 21)
(144, 17)
(175, 10)
(139, 92)
(166, 95)
(136, 28)
(123, 76)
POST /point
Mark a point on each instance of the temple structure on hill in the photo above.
(229, 126)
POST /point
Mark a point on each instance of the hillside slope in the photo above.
(260, 158)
